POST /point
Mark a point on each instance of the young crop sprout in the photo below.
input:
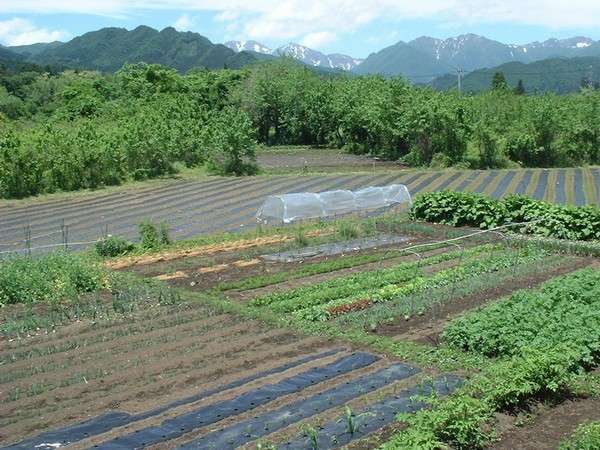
(351, 419)
(350, 423)
(312, 434)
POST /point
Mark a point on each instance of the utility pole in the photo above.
(460, 72)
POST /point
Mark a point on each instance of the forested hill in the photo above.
(109, 48)
(559, 75)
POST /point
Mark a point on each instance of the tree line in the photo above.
(71, 130)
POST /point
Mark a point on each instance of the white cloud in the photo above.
(184, 23)
(316, 40)
(291, 19)
(19, 31)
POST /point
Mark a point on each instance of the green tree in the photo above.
(520, 89)
(499, 82)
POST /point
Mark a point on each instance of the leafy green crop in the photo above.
(586, 437)
(564, 310)
(400, 292)
(466, 209)
(355, 285)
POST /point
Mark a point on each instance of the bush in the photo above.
(151, 237)
(113, 246)
(466, 209)
(59, 276)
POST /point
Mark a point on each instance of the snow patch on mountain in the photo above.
(248, 46)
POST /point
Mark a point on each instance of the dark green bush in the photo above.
(113, 246)
(476, 210)
(153, 237)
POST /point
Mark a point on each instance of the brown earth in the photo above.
(58, 379)
(548, 426)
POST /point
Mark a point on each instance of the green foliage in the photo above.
(549, 220)
(461, 421)
(585, 437)
(308, 301)
(564, 310)
(499, 82)
(53, 278)
(231, 144)
(151, 237)
(347, 230)
(78, 130)
(111, 246)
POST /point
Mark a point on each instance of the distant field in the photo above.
(229, 204)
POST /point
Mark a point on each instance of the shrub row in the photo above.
(476, 210)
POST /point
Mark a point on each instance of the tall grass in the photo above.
(53, 278)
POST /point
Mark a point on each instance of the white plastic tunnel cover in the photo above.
(288, 208)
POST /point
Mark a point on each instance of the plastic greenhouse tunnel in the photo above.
(289, 208)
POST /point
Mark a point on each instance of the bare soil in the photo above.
(549, 425)
(58, 380)
(320, 158)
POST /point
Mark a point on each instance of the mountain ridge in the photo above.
(301, 53)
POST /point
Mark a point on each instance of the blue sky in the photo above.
(355, 27)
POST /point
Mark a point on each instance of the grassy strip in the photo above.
(418, 303)
(427, 356)
(585, 437)
(356, 284)
(321, 267)
(570, 247)
(339, 227)
(403, 290)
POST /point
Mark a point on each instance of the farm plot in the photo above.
(225, 204)
(313, 354)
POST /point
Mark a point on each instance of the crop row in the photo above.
(546, 219)
(357, 284)
(424, 300)
(317, 268)
(565, 310)
(400, 292)
(544, 338)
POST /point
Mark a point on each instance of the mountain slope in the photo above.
(468, 52)
(6, 54)
(299, 52)
(560, 75)
(34, 49)
(109, 48)
(315, 58)
(402, 59)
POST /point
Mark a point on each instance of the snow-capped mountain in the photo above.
(304, 54)
(427, 57)
(317, 59)
(248, 46)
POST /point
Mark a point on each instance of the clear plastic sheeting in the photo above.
(288, 208)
